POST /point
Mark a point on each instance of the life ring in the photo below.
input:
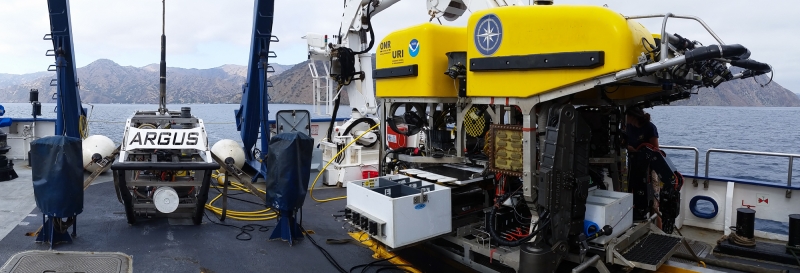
(700, 214)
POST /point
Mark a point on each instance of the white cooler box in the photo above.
(610, 208)
(398, 210)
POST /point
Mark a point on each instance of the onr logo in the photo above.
(386, 45)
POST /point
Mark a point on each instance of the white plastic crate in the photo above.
(610, 208)
(406, 215)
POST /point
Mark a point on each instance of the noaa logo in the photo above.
(413, 48)
(488, 34)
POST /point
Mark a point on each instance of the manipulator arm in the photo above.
(669, 197)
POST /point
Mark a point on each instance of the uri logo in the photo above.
(488, 34)
(413, 48)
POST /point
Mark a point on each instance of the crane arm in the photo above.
(68, 106)
(252, 117)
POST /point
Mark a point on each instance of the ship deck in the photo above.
(157, 245)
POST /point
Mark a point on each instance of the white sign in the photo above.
(762, 200)
(314, 130)
(165, 139)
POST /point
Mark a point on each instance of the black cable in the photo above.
(367, 265)
(244, 231)
(335, 114)
(370, 122)
(324, 252)
(371, 31)
(239, 199)
(499, 239)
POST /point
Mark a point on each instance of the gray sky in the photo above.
(207, 33)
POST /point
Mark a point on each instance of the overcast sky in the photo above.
(208, 33)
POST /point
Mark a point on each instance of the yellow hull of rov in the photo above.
(398, 50)
(545, 31)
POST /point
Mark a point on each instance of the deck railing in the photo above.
(708, 161)
(696, 157)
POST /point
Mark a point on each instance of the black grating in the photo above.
(652, 249)
(700, 249)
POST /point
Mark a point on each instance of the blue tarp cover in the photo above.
(57, 166)
(288, 170)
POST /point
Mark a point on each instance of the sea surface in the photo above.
(763, 129)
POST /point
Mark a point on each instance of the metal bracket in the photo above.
(788, 193)
(422, 197)
(622, 259)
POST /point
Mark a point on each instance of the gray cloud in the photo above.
(208, 33)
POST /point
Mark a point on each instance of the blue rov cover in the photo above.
(57, 166)
(288, 170)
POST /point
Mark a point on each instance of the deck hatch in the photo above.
(63, 261)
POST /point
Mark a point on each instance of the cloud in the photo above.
(210, 33)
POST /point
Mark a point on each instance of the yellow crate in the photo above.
(566, 36)
(418, 51)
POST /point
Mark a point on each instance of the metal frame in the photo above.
(664, 29)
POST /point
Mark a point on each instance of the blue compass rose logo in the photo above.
(488, 34)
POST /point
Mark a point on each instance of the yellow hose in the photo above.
(260, 215)
(311, 190)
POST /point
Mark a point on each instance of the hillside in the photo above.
(747, 92)
(104, 81)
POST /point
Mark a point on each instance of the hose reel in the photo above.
(410, 122)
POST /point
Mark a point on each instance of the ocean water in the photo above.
(765, 129)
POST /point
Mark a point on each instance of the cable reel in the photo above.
(410, 122)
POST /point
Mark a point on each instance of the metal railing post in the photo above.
(789, 180)
(705, 183)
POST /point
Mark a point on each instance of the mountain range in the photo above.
(104, 81)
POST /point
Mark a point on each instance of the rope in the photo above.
(740, 240)
(83, 127)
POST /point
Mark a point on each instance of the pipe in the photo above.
(681, 17)
(586, 264)
(664, 38)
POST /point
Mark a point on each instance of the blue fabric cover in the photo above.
(4, 122)
(288, 170)
(57, 166)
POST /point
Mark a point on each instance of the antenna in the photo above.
(162, 103)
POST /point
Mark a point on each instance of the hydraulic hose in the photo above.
(715, 51)
(499, 239)
(753, 65)
(311, 190)
(371, 31)
(369, 121)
